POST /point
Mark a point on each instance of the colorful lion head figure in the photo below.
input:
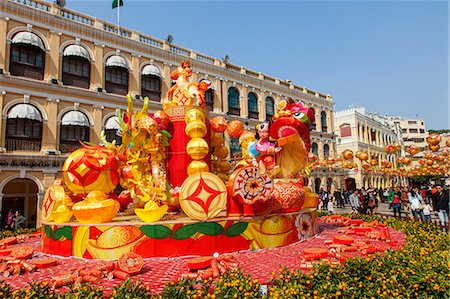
(292, 118)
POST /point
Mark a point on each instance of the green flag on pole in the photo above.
(117, 3)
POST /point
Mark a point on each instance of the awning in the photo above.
(116, 61)
(75, 118)
(25, 111)
(150, 69)
(28, 38)
(76, 50)
(112, 123)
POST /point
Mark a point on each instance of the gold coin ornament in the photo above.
(52, 199)
(250, 185)
(203, 196)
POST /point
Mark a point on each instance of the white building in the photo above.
(358, 130)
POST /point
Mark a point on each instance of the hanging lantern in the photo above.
(429, 162)
(196, 129)
(447, 142)
(338, 158)
(406, 161)
(347, 154)
(434, 148)
(194, 115)
(235, 128)
(219, 124)
(197, 166)
(312, 158)
(365, 165)
(362, 155)
(330, 161)
(433, 139)
(390, 149)
(221, 152)
(413, 150)
(373, 162)
(197, 148)
(216, 139)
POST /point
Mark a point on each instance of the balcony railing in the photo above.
(74, 16)
(14, 145)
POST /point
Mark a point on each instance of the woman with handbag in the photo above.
(416, 202)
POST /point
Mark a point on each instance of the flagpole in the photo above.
(118, 17)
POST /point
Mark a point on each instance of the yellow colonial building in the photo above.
(64, 75)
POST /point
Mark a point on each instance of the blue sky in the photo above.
(389, 56)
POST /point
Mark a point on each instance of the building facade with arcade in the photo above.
(358, 130)
(64, 75)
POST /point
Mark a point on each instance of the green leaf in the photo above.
(209, 228)
(185, 232)
(48, 231)
(156, 231)
(236, 229)
(65, 231)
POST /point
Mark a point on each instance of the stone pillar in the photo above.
(97, 68)
(243, 101)
(218, 100)
(53, 59)
(320, 149)
(3, 43)
(318, 120)
(166, 83)
(97, 115)
(50, 137)
(40, 199)
(225, 97)
(262, 106)
(2, 121)
(135, 76)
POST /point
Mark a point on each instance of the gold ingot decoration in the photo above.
(197, 166)
(151, 212)
(221, 152)
(54, 197)
(197, 148)
(95, 208)
(196, 129)
(194, 115)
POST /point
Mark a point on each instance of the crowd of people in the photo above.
(413, 202)
(14, 220)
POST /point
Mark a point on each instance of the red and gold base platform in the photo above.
(177, 236)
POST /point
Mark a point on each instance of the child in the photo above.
(427, 209)
(330, 206)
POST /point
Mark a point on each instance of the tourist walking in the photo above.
(19, 221)
(396, 205)
(10, 220)
(442, 206)
(354, 201)
(427, 209)
(416, 202)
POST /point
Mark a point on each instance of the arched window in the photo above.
(326, 151)
(23, 128)
(116, 75)
(27, 56)
(76, 67)
(315, 148)
(346, 130)
(317, 183)
(151, 83)
(253, 106)
(112, 130)
(323, 121)
(270, 108)
(233, 101)
(313, 124)
(74, 128)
